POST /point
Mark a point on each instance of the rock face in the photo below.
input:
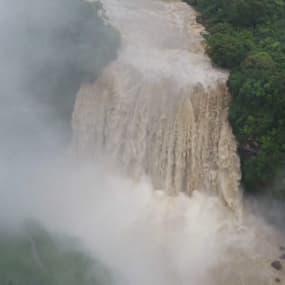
(161, 110)
(276, 264)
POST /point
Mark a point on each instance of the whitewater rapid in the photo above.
(161, 109)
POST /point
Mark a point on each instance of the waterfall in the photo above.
(161, 109)
(160, 201)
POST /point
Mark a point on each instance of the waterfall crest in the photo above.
(160, 109)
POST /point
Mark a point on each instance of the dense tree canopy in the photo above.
(248, 37)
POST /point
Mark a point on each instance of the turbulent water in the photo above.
(161, 109)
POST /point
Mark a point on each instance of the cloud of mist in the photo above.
(47, 49)
(143, 237)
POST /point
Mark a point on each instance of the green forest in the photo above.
(247, 37)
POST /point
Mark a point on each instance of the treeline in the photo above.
(248, 38)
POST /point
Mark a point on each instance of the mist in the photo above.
(85, 221)
(48, 48)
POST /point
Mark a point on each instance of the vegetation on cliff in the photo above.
(248, 38)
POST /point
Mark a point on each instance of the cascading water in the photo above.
(161, 109)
